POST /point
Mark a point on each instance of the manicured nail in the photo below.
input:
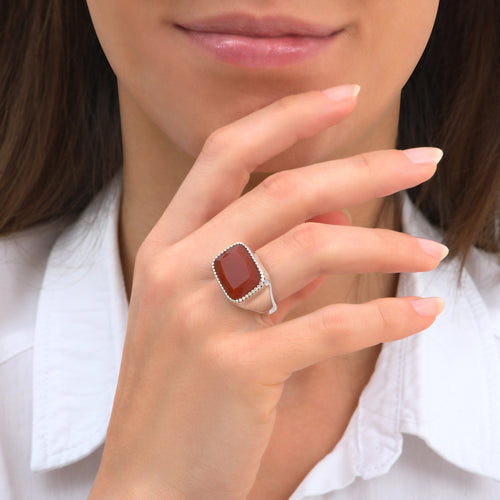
(428, 307)
(342, 92)
(433, 248)
(424, 155)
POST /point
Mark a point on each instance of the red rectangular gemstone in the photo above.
(237, 271)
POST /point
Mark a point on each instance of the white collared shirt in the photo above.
(427, 424)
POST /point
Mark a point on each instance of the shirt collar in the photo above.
(442, 385)
(79, 334)
(452, 397)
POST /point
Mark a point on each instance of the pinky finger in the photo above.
(335, 330)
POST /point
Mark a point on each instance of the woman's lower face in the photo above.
(173, 85)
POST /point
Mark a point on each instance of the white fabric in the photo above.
(427, 424)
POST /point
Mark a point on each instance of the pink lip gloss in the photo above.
(256, 51)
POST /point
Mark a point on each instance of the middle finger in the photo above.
(311, 250)
(289, 198)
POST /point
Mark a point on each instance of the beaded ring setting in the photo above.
(243, 279)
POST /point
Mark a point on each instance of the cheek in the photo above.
(124, 31)
(394, 34)
(153, 77)
(380, 53)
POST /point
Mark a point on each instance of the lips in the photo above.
(244, 40)
(271, 26)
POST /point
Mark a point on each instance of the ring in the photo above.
(243, 279)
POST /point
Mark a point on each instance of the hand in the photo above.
(200, 379)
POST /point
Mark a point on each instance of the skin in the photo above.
(183, 112)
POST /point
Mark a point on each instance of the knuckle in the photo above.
(145, 254)
(153, 259)
(150, 269)
(191, 311)
(306, 237)
(286, 104)
(365, 162)
(385, 317)
(367, 170)
(157, 276)
(218, 142)
(333, 323)
(160, 271)
(279, 186)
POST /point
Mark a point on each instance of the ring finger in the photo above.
(311, 250)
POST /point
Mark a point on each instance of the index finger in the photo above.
(232, 152)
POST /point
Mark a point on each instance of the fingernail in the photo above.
(342, 92)
(428, 307)
(424, 155)
(433, 248)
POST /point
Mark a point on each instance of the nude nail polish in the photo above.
(427, 307)
(433, 248)
(342, 92)
(424, 155)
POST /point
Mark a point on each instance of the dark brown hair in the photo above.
(452, 101)
(60, 137)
